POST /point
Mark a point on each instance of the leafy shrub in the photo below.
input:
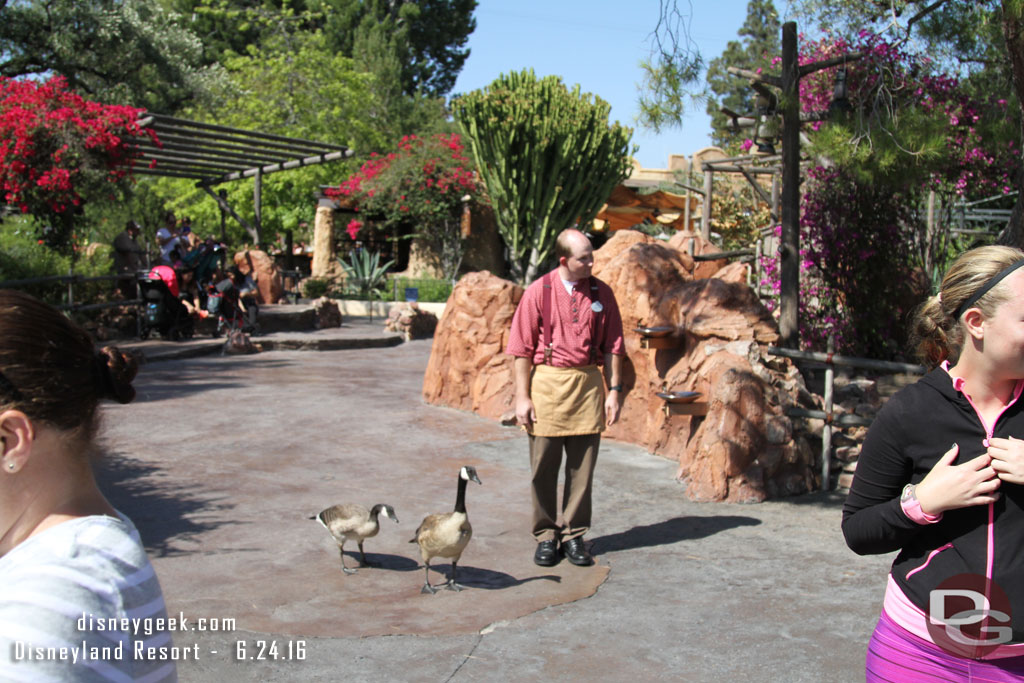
(315, 287)
(430, 291)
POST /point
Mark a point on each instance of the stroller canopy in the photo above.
(170, 278)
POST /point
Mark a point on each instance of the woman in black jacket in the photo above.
(940, 480)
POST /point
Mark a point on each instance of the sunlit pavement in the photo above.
(222, 460)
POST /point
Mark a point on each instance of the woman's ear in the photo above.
(974, 320)
(16, 436)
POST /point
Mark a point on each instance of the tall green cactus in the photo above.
(548, 157)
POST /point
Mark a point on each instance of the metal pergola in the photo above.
(212, 154)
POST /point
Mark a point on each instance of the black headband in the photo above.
(983, 290)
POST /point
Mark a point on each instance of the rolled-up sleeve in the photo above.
(525, 332)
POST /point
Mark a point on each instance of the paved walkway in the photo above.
(222, 459)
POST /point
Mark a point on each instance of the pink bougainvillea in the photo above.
(57, 149)
(859, 268)
(418, 190)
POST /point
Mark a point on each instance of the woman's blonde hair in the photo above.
(936, 331)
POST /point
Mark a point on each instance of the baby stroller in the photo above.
(163, 311)
(223, 301)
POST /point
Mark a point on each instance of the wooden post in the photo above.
(775, 197)
(789, 249)
(705, 220)
(826, 432)
(223, 194)
(930, 230)
(289, 250)
(258, 207)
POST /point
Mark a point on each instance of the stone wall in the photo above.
(745, 449)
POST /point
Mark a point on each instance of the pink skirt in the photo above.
(895, 654)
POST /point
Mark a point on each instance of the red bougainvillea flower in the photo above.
(353, 228)
(57, 149)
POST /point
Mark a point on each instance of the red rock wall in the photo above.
(468, 368)
(743, 450)
(265, 272)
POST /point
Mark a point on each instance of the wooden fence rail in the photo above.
(831, 360)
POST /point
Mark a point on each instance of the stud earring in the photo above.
(10, 465)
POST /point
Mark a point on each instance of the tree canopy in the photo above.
(757, 47)
(132, 52)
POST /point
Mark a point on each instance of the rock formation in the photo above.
(265, 272)
(745, 449)
(411, 322)
(468, 368)
(327, 314)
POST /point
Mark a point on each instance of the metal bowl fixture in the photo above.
(678, 396)
(657, 331)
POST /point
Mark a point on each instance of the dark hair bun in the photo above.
(115, 372)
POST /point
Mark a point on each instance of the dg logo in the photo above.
(969, 616)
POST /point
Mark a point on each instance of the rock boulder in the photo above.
(468, 368)
(744, 449)
(264, 271)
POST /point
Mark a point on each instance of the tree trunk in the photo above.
(1013, 32)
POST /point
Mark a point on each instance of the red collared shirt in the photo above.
(573, 317)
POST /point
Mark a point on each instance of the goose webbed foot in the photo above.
(347, 570)
(452, 585)
(428, 589)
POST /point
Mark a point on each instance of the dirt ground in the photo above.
(222, 460)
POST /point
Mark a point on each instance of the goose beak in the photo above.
(475, 478)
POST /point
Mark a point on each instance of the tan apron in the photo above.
(568, 401)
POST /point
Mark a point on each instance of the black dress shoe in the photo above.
(576, 553)
(547, 554)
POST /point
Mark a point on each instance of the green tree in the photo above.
(548, 157)
(758, 45)
(292, 85)
(983, 41)
(426, 36)
(130, 52)
(671, 73)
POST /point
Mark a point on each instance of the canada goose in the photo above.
(446, 535)
(353, 521)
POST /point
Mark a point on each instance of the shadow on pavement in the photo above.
(823, 499)
(395, 563)
(488, 579)
(669, 531)
(160, 512)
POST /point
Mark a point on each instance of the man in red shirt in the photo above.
(567, 323)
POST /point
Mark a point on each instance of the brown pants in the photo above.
(545, 462)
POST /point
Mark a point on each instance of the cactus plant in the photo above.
(548, 156)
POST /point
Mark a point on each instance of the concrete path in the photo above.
(222, 459)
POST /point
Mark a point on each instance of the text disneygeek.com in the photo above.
(134, 640)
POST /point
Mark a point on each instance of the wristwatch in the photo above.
(909, 493)
(617, 387)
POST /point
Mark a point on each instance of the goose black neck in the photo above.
(460, 499)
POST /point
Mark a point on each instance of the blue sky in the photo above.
(598, 44)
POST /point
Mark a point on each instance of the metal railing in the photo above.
(71, 281)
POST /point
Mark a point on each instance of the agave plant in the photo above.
(365, 275)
